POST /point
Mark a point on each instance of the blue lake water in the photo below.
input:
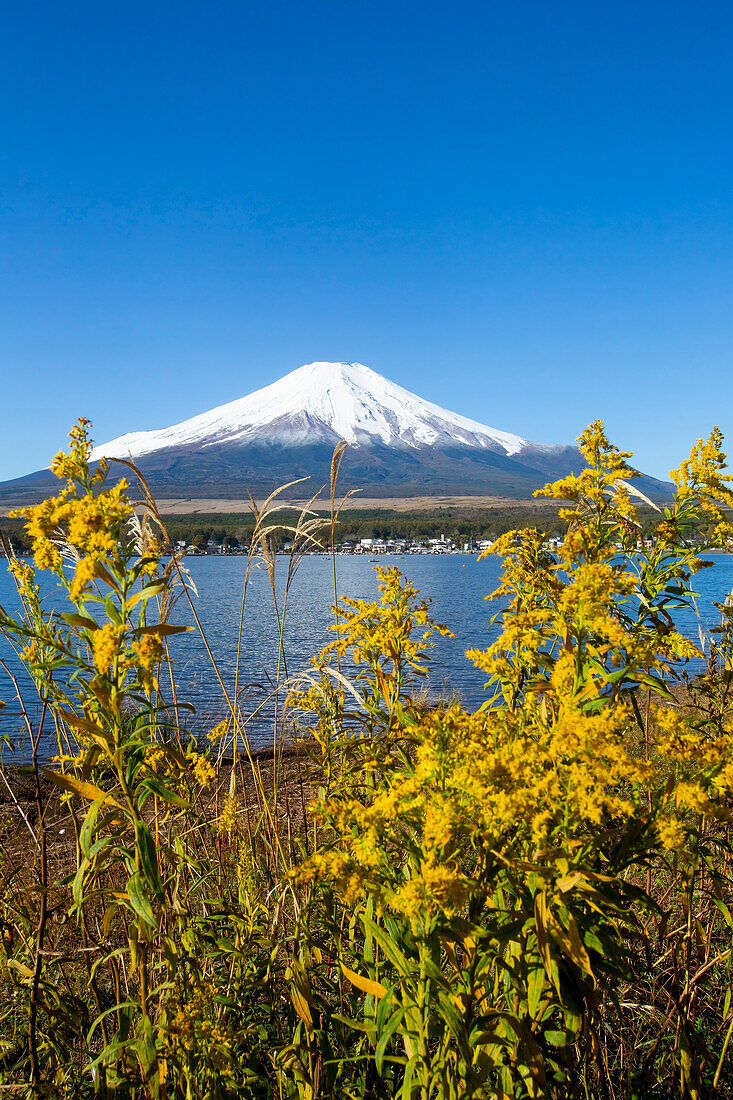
(457, 585)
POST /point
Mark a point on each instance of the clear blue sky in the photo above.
(520, 210)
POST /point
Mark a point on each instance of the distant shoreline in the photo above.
(184, 506)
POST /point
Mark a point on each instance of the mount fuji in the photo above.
(399, 445)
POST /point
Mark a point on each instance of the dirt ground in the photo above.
(288, 782)
(208, 506)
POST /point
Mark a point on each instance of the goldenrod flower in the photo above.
(672, 834)
(46, 555)
(227, 819)
(154, 754)
(149, 651)
(203, 770)
(220, 730)
(86, 515)
(22, 571)
(152, 551)
(104, 646)
(83, 575)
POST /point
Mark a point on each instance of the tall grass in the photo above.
(401, 898)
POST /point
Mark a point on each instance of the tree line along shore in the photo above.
(459, 525)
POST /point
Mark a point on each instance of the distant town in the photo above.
(370, 546)
(374, 546)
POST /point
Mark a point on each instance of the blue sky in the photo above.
(520, 210)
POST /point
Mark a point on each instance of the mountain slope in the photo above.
(400, 445)
(321, 402)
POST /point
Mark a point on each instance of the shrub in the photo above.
(528, 900)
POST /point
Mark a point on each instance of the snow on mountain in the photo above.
(400, 446)
(321, 402)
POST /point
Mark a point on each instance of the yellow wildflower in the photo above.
(152, 553)
(203, 770)
(83, 575)
(149, 651)
(104, 646)
(64, 465)
(84, 514)
(22, 572)
(672, 834)
(227, 819)
(220, 730)
(31, 652)
(46, 555)
(438, 887)
(154, 754)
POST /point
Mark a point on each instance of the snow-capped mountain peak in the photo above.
(321, 402)
(401, 446)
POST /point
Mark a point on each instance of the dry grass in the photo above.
(209, 505)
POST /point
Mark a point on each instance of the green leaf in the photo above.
(392, 1024)
(147, 1054)
(406, 1090)
(145, 594)
(724, 912)
(543, 941)
(535, 985)
(77, 885)
(85, 835)
(451, 1015)
(385, 1008)
(368, 1028)
(148, 855)
(435, 974)
(154, 786)
(112, 612)
(404, 966)
(139, 900)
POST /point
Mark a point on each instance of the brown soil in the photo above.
(209, 506)
(288, 783)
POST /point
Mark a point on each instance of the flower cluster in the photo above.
(149, 651)
(219, 731)
(22, 572)
(202, 769)
(89, 523)
(91, 528)
(193, 1024)
(226, 821)
(105, 646)
(437, 808)
(394, 631)
(84, 516)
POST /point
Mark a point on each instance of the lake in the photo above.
(456, 583)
